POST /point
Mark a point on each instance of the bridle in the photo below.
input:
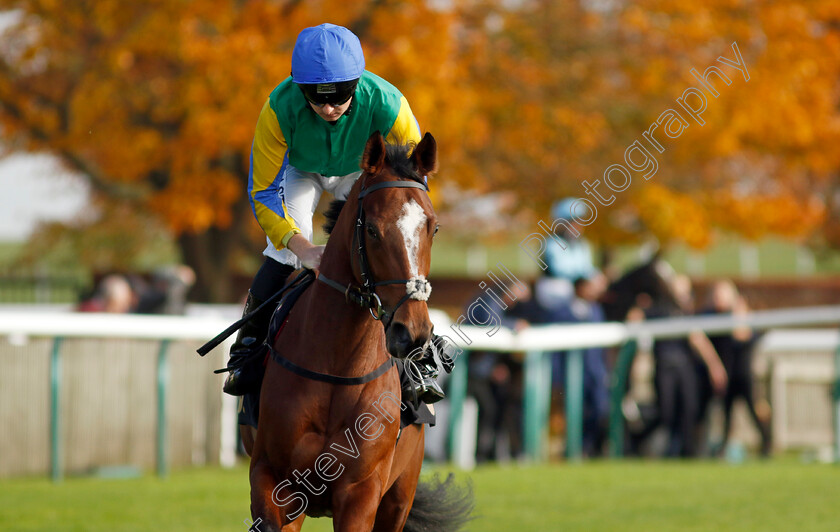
(417, 287)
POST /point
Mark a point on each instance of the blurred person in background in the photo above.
(113, 294)
(554, 289)
(683, 292)
(735, 350)
(309, 136)
(585, 308)
(677, 381)
(166, 293)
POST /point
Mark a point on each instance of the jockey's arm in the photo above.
(308, 253)
(269, 158)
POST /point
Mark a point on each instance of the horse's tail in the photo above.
(440, 506)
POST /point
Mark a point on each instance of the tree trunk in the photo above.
(211, 255)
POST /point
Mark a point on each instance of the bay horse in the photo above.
(332, 446)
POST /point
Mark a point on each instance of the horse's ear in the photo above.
(373, 158)
(425, 155)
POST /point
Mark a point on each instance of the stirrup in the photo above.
(422, 375)
(430, 392)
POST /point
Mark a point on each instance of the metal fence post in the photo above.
(162, 382)
(618, 386)
(574, 404)
(55, 411)
(457, 394)
(536, 403)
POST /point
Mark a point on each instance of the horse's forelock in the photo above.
(398, 160)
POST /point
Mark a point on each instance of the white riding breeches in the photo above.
(301, 193)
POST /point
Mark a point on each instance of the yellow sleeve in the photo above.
(269, 159)
(405, 128)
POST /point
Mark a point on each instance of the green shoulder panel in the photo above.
(383, 101)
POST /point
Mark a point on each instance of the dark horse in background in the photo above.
(641, 285)
(336, 449)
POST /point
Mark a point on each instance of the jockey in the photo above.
(310, 133)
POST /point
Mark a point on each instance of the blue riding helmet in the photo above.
(327, 62)
(563, 209)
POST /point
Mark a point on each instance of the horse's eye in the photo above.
(371, 231)
(437, 228)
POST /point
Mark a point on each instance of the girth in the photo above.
(326, 377)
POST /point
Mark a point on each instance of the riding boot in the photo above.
(245, 368)
(423, 372)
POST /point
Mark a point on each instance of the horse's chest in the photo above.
(324, 463)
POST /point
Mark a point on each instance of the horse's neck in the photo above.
(341, 335)
(344, 336)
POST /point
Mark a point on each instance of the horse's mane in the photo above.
(398, 159)
(332, 215)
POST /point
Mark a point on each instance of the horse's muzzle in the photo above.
(401, 343)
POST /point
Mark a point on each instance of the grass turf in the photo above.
(626, 496)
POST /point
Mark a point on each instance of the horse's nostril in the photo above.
(402, 334)
(399, 340)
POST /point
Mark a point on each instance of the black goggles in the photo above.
(334, 94)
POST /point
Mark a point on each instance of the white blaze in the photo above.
(411, 221)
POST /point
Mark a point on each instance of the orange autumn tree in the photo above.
(154, 102)
(539, 119)
(764, 162)
(570, 85)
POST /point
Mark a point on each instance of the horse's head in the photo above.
(651, 278)
(390, 237)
